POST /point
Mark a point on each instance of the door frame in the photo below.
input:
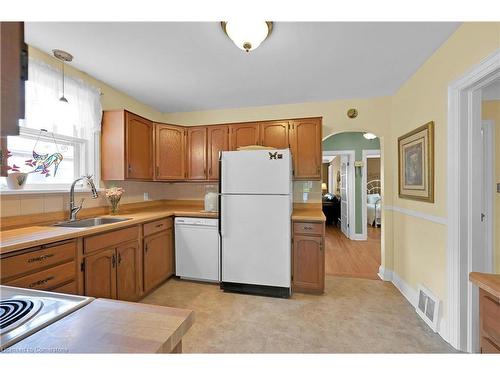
(489, 179)
(464, 111)
(364, 182)
(351, 154)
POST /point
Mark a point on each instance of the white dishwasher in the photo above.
(197, 249)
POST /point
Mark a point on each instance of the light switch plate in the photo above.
(146, 196)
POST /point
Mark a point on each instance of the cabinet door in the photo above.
(127, 271)
(158, 259)
(218, 140)
(14, 71)
(308, 264)
(244, 135)
(196, 148)
(100, 274)
(274, 134)
(169, 152)
(139, 140)
(306, 148)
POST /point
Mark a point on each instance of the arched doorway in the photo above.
(352, 202)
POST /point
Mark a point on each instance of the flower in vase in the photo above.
(114, 194)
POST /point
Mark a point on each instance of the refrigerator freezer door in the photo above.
(256, 243)
(256, 172)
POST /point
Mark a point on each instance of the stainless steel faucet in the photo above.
(73, 210)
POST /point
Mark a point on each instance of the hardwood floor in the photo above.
(344, 257)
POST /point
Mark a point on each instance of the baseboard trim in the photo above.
(358, 237)
(384, 274)
(418, 214)
(411, 296)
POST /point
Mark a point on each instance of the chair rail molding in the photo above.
(421, 215)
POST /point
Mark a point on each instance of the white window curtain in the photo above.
(79, 118)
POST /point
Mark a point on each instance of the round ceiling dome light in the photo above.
(247, 35)
(369, 135)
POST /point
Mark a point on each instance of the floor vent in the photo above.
(428, 307)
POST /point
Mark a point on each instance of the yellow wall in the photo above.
(419, 245)
(491, 111)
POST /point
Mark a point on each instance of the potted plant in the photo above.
(15, 178)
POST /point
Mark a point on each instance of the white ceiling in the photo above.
(188, 66)
(492, 91)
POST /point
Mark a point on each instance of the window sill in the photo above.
(28, 191)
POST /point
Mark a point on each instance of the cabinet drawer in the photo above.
(110, 239)
(69, 288)
(47, 279)
(491, 316)
(488, 347)
(157, 226)
(308, 228)
(40, 258)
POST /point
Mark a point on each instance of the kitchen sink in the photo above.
(92, 222)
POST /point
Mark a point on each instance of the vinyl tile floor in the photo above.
(352, 316)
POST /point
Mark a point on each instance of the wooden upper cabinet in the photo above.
(100, 274)
(13, 74)
(274, 134)
(139, 139)
(196, 150)
(218, 140)
(126, 146)
(245, 134)
(305, 142)
(127, 271)
(169, 152)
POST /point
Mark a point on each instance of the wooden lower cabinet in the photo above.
(128, 271)
(114, 272)
(100, 274)
(308, 274)
(158, 259)
(489, 316)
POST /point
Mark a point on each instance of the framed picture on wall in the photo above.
(416, 164)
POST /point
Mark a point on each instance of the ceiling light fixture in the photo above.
(62, 56)
(369, 136)
(247, 35)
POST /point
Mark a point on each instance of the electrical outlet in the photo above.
(146, 196)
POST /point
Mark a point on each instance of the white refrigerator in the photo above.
(255, 221)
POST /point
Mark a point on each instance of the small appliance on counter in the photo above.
(211, 199)
(26, 311)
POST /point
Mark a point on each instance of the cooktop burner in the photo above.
(14, 312)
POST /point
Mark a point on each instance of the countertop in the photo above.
(109, 326)
(36, 235)
(489, 282)
(313, 213)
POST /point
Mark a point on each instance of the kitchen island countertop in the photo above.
(109, 326)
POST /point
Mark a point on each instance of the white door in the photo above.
(344, 194)
(256, 172)
(256, 239)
